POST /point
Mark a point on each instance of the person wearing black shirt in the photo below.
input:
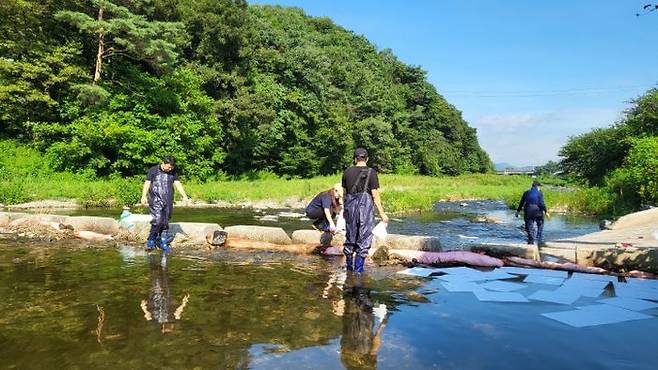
(324, 207)
(159, 186)
(361, 187)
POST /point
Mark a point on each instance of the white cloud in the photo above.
(534, 138)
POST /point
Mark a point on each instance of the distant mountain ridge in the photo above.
(502, 166)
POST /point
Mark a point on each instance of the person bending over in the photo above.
(324, 207)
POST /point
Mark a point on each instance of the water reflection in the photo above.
(101, 322)
(159, 306)
(363, 325)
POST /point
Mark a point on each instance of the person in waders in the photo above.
(534, 209)
(361, 186)
(324, 207)
(159, 187)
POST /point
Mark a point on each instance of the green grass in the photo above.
(399, 192)
(26, 176)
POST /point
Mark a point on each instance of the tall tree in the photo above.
(120, 32)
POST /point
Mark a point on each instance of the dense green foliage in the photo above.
(623, 158)
(225, 87)
(26, 176)
(550, 168)
(637, 179)
(594, 155)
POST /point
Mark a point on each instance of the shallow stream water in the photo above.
(456, 224)
(120, 308)
(71, 306)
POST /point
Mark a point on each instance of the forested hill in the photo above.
(225, 87)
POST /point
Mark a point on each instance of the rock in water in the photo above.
(605, 225)
(217, 238)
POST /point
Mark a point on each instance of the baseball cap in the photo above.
(360, 153)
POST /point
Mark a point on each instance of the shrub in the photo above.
(13, 192)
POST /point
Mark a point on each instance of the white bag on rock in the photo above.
(380, 231)
(340, 223)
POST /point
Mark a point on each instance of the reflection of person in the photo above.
(362, 192)
(159, 186)
(159, 304)
(101, 321)
(360, 341)
(532, 203)
(324, 207)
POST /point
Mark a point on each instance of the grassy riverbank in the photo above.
(25, 176)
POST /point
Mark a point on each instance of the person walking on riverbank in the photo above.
(534, 209)
(159, 187)
(324, 207)
(361, 186)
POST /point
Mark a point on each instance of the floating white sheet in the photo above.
(476, 276)
(461, 278)
(418, 271)
(458, 270)
(644, 283)
(556, 296)
(580, 275)
(535, 272)
(461, 286)
(586, 288)
(595, 315)
(502, 286)
(632, 304)
(630, 291)
(537, 279)
(516, 270)
(489, 296)
(495, 275)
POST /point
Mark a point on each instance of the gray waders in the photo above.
(359, 221)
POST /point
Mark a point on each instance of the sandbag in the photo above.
(445, 258)
(567, 266)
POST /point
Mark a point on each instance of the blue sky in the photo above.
(527, 74)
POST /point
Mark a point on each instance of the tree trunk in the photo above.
(101, 49)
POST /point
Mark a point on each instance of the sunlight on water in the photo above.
(64, 307)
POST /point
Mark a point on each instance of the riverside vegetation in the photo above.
(108, 87)
(620, 161)
(26, 175)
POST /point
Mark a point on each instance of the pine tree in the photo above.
(122, 33)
